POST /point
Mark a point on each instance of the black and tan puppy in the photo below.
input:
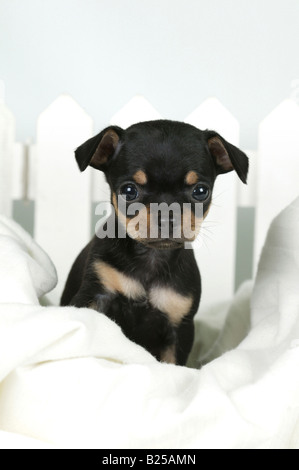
(141, 275)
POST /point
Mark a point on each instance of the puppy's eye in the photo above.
(129, 192)
(201, 192)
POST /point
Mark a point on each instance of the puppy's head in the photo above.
(161, 175)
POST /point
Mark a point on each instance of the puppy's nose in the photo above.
(167, 222)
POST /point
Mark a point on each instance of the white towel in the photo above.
(69, 377)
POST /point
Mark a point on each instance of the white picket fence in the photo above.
(46, 172)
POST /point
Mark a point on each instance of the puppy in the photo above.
(141, 275)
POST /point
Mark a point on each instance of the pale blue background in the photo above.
(174, 52)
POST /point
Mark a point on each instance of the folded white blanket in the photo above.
(69, 378)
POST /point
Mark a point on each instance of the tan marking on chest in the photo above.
(168, 355)
(174, 305)
(115, 281)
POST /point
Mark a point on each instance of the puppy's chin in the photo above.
(165, 244)
(161, 244)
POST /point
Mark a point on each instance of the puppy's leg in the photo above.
(75, 277)
(184, 340)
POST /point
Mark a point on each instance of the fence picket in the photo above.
(17, 171)
(61, 197)
(138, 109)
(278, 167)
(7, 136)
(216, 244)
(62, 219)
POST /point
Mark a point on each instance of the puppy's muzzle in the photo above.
(168, 225)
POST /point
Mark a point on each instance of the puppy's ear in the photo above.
(99, 150)
(226, 156)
